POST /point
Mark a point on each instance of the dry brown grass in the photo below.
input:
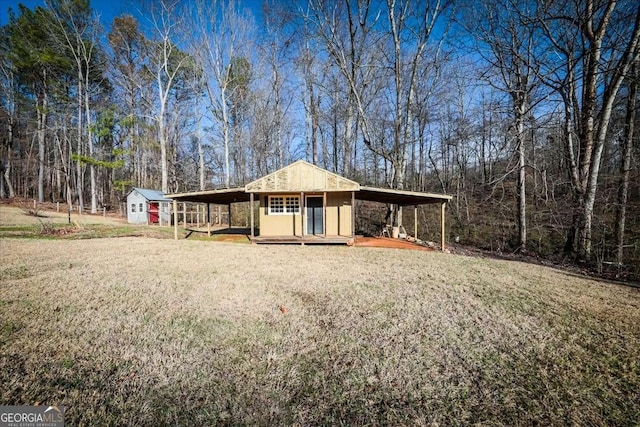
(137, 331)
(14, 215)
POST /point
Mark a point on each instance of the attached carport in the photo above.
(225, 196)
(404, 198)
(401, 198)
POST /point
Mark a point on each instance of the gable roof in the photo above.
(151, 195)
(301, 176)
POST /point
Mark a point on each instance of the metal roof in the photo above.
(399, 197)
(291, 179)
(374, 194)
(218, 197)
(151, 195)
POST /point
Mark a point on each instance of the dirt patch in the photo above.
(236, 238)
(386, 242)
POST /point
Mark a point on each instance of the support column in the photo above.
(353, 214)
(184, 215)
(209, 219)
(175, 219)
(229, 214)
(324, 213)
(442, 226)
(415, 222)
(251, 214)
(303, 214)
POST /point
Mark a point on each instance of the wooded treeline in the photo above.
(525, 111)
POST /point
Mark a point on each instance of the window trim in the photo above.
(285, 207)
(133, 208)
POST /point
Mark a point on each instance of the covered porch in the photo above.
(305, 204)
(401, 198)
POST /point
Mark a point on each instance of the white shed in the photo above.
(146, 206)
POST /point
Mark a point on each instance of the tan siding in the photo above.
(346, 216)
(338, 213)
(278, 225)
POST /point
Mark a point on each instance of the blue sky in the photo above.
(107, 9)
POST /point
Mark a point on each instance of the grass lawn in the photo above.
(145, 331)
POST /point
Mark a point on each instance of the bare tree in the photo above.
(8, 90)
(167, 60)
(625, 164)
(506, 41)
(127, 72)
(594, 43)
(221, 34)
(379, 49)
(79, 32)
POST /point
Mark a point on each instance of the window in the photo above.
(133, 207)
(292, 204)
(282, 205)
(276, 205)
(141, 210)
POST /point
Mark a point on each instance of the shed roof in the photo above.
(151, 195)
(399, 197)
(224, 196)
(301, 176)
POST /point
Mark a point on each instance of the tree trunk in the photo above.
(625, 166)
(42, 121)
(92, 168)
(225, 136)
(520, 108)
(6, 175)
(201, 172)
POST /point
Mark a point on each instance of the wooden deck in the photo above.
(303, 240)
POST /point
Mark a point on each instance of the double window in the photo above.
(284, 205)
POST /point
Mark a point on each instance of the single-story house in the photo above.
(146, 206)
(303, 203)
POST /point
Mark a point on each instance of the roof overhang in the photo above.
(399, 197)
(382, 195)
(217, 197)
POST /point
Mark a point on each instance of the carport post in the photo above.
(324, 213)
(353, 214)
(303, 215)
(209, 219)
(252, 218)
(415, 222)
(442, 226)
(184, 215)
(175, 219)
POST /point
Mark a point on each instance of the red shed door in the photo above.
(153, 213)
